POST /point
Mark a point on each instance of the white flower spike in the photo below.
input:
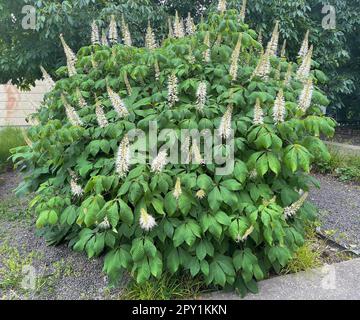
(147, 221)
(123, 158)
(159, 163)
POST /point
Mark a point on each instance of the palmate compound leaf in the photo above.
(197, 229)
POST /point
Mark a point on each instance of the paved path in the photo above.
(339, 281)
(339, 210)
(348, 148)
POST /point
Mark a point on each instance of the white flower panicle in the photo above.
(305, 46)
(80, 98)
(191, 58)
(147, 221)
(222, 6)
(150, 41)
(200, 194)
(272, 46)
(278, 73)
(258, 113)
(201, 95)
(246, 234)
(70, 57)
(105, 225)
(171, 32)
(179, 31)
(177, 191)
(304, 70)
(113, 34)
(288, 75)
(71, 114)
(196, 154)
(283, 50)
(159, 162)
(104, 40)
(47, 78)
(172, 90)
(123, 158)
(95, 39)
(182, 27)
(76, 189)
(127, 84)
(218, 40)
(225, 124)
(243, 11)
(190, 25)
(185, 149)
(263, 68)
(234, 59)
(291, 210)
(125, 32)
(117, 103)
(253, 174)
(100, 115)
(306, 95)
(279, 108)
(207, 52)
(157, 70)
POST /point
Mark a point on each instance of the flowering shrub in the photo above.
(159, 216)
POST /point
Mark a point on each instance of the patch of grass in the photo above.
(9, 138)
(12, 263)
(345, 166)
(166, 288)
(305, 258)
(13, 208)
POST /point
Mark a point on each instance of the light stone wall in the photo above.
(16, 105)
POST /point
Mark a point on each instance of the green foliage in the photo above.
(11, 266)
(166, 288)
(9, 138)
(336, 50)
(234, 235)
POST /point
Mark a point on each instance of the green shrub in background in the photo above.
(9, 138)
(161, 217)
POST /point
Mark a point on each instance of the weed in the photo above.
(9, 138)
(305, 258)
(166, 288)
(12, 263)
(13, 208)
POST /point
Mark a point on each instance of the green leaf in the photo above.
(113, 214)
(126, 214)
(215, 199)
(204, 182)
(173, 261)
(231, 184)
(223, 218)
(170, 204)
(158, 205)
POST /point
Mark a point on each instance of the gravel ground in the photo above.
(339, 206)
(65, 275)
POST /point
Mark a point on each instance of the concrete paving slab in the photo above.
(339, 281)
(343, 147)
